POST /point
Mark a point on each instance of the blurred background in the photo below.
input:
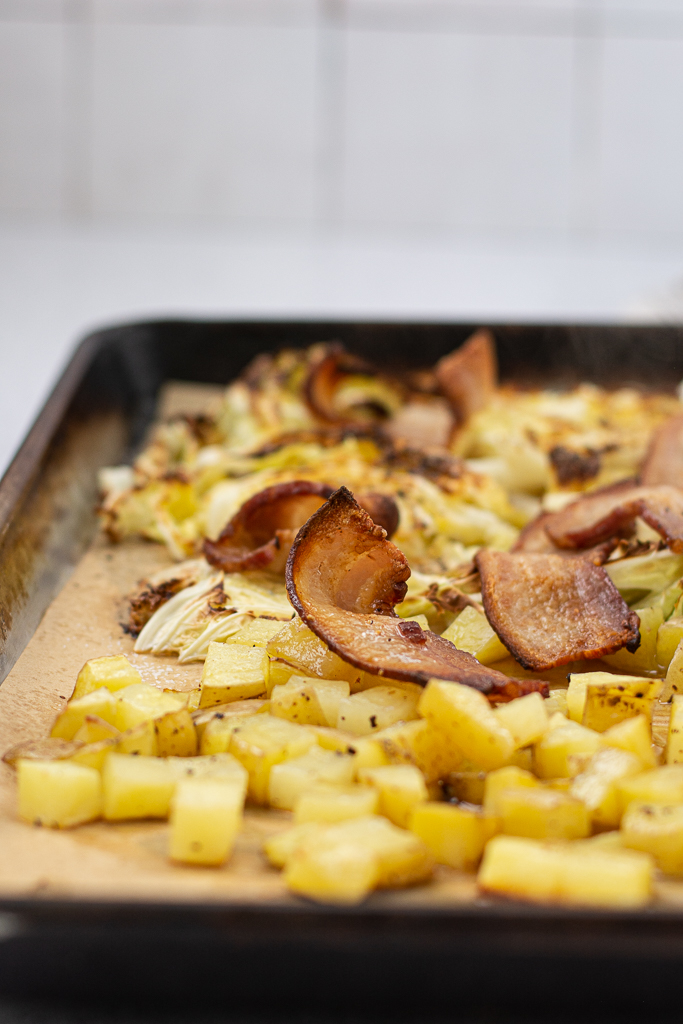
(487, 159)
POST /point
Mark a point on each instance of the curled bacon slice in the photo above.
(261, 533)
(664, 460)
(468, 376)
(344, 578)
(550, 610)
(325, 377)
(534, 539)
(611, 511)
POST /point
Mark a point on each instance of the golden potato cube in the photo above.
(400, 786)
(309, 701)
(455, 835)
(656, 829)
(202, 716)
(279, 672)
(669, 636)
(233, 672)
(596, 785)
(256, 633)
(58, 794)
(193, 699)
(334, 739)
(143, 703)
(206, 815)
(224, 767)
(217, 733)
(465, 787)
(634, 735)
(279, 848)
(662, 785)
(576, 694)
(307, 655)
(613, 699)
(329, 804)
(465, 716)
(114, 673)
(136, 786)
(674, 744)
(539, 813)
(552, 755)
(471, 632)
(420, 743)
(645, 658)
(557, 701)
(377, 708)
(526, 718)
(92, 755)
(674, 675)
(95, 729)
(141, 739)
(99, 702)
(291, 778)
(496, 782)
(261, 741)
(572, 873)
(176, 735)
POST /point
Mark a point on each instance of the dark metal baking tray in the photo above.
(372, 958)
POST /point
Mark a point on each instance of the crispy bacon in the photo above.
(468, 376)
(664, 460)
(344, 578)
(534, 539)
(324, 378)
(550, 610)
(611, 512)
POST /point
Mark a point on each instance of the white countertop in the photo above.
(59, 283)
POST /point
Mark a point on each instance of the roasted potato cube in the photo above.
(400, 786)
(471, 632)
(377, 708)
(92, 755)
(576, 693)
(660, 786)
(206, 815)
(202, 716)
(420, 743)
(233, 672)
(612, 699)
(557, 701)
(669, 636)
(141, 739)
(539, 813)
(674, 675)
(58, 794)
(136, 786)
(496, 782)
(595, 787)
(645, 658)
(329, 804)
(261, 741)
(175, 734)
(99, 702)
(307, 655)
(217, 733)
(256, 633)
(279, 848)
(456, 836)
(309, 701)
(573, 873)
(113, 672)
(279, 672)
(553, 754)
(674, 745)
(526, 718)
(656, 829)
(634, 735)
(142, 703)
(95, 729)
(334, 739)
(465, 716)
(465, 787)
(291, 778)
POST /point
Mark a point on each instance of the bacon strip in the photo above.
(611, 511)
(344, 578)
(549, 610)
(534, 539)
(664, 460)
(468, 376)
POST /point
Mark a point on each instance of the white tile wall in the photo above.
(508, 116)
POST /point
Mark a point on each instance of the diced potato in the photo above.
(674, 675)
(142, 703)
(261, 741)
(596, 785)
(114, 673)
(498, 781)
(193, 699)
(420, 743)
(611, 699)
(217, 733)
(279, 672)
(224, 767)
(456, 836)
(329, 804)
(660, 786)
(202, 716)
(176, 735)
(92, 755)
(465, 716)
(343, 863)
(135, 786)
(334, 739)
(401, 787)
(572, 873)
(471, 632)
(99, 702)
(256, 633)
(95, 729)
(576, 694)
(309, 701)
(206, 815)
(669, 636)
(291, 778)
(279, 848)
(645, 658)
(634, 735)
(539, 813)
(58, 794)
(656, 829)
(526, 718)
(674, 745)
(552, 755)
(233, 672)
(49, 749)
(557, 701)
(307, 655)
(141, 739)
(377, 708)
(466, 786)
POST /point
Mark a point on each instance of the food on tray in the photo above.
(439, 619)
